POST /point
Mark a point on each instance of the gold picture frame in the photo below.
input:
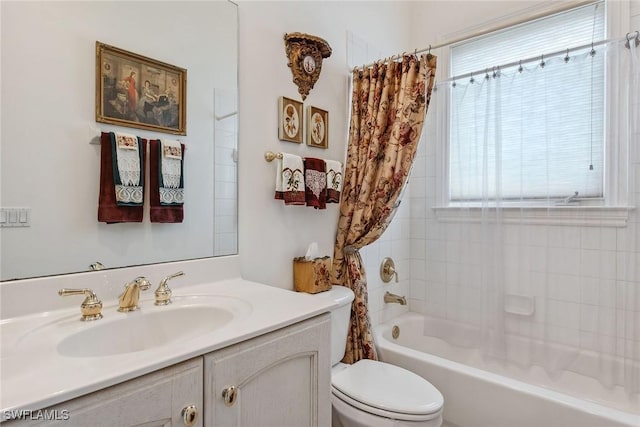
(139, 92)
(317, 127)
(290, 120)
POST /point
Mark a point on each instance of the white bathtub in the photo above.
(482, 396)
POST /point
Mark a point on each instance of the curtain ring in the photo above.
(631, 36)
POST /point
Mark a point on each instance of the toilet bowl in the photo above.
(372, 393)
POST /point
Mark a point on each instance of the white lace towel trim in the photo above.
(128, 158)
(171, 195)
(316, 181)
(171, 164)
(129, 194)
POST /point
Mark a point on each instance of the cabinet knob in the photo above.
(229, 395)
(189, 415)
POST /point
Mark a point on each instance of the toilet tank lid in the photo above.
(340, 294)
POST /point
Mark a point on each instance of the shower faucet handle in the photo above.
(388, 270)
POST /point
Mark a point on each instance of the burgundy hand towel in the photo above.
(315, 183)
(159, 212)
(108, 209)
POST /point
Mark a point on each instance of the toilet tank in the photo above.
(340, 316)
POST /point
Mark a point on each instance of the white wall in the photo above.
(271, 235)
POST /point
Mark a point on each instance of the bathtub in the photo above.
(477, 395)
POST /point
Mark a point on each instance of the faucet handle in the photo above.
(388, 270)
(163, 293)
(90, 308)
(143, 283)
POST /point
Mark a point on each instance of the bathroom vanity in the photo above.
(262, 358)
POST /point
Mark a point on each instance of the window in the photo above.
(535, 129)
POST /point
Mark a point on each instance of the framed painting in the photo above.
(139, 92)
(317, 127)
(290, 120)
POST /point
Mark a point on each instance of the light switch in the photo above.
(15, 217)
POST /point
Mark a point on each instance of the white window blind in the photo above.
(534, 133)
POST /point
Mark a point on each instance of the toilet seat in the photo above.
(387, 390)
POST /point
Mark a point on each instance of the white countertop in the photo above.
(35, 376)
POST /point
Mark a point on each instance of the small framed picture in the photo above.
(290, 120)
(317, 127)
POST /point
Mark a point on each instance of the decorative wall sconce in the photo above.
(305, 53)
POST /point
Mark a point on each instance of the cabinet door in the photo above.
(281, 379)
(153, 400)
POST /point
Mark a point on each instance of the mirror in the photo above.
(50, 152)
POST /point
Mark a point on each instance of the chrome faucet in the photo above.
(163, 293)
(393, 298)
(129, 298)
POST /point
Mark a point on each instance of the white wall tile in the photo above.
(565, 314)
(564, 237)
(597, 263)
(564, 287)
(418, 269)
(418, 229)
(564, 260)
(598, 238)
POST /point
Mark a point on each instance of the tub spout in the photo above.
(393, 298)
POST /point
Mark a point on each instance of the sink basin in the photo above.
(62, 334)
(138, 331)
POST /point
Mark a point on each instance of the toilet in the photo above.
(371, 393)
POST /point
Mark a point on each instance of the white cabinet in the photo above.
(156, 399)
(281, 379)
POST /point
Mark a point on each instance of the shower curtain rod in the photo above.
(502, 26)
(635, 35)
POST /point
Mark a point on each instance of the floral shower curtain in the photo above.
(387, 112)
